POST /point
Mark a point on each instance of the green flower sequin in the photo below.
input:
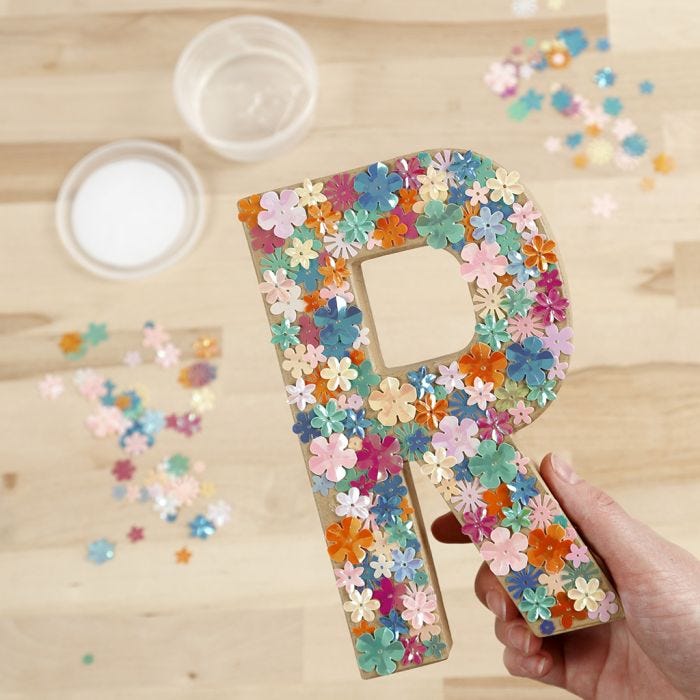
(492, 332)
(509, 394)
(435, 647)
(285, 334)
(536, 604)
(516, 517)
(379, 651)
(366, 379)
(356, 226)
(439, 224)
(329, 418)
(493, 463)
(517, 302)
(543, 393)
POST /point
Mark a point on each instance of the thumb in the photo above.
(626, 545)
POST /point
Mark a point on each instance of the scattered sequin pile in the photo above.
(603, 133)
(452, 421)
(177, 482)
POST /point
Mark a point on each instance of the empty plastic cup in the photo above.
(247, 86)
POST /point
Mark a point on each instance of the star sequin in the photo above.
(51, 387)
(167, 356)
(132, 358)
(201, 527)
(96, 333)
(183, 556)
(135, 533)
(552, 144)
(206, 347)
(219, 513)
(604, 77)
(187, 423)
(603, 206)
(154, 335)
(123, 469)
(646, 87)
(663, 163)
(101, 551)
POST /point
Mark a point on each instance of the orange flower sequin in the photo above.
(322, 219)
(406, 510)
(407, 198)
(548, 549)
(346, 540)
(334, 271)
(539, 253)
(363, 628)
(322, 393)
(357, 357)
(496, 500)
(70, 342)
(430, 411)
(469, 211)
(565, 609)
(314, 301)
(483, 363)
(390, 231)
(206, 347)
(248, 210)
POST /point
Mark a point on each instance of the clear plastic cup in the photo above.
(247, 86)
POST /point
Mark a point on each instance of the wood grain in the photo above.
(395, 77)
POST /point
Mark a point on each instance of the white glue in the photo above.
(128, 213)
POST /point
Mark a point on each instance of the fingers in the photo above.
(535, 666)
(490, 592)
(603, 523)
(447, 529)
(516, 635)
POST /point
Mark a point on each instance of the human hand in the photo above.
(654, 652)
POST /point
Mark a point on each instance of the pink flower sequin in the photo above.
(505, 551)
(331, 457)
(281, 213)
(482, 263)
(458, 437)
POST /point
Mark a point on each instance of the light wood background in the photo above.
(395, 77)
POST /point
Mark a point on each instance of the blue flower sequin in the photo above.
(378, 187)
(528, 360)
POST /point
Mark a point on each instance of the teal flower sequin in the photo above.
(329, 418)
(285, 334)
(400, 532)
(517, 302)
(277, 261)
(434, 647)
(543, 393)
(492, 332)
(516, 517)
(366, 379)
(356, 226)
(379, 651)
(493, 463)
(439, 224)
(536, 604)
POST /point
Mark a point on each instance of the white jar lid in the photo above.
(130, 208)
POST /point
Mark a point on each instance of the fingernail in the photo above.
(520, 638)
(496, 604)
(534, 665)
(564, 470)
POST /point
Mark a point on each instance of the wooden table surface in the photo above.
(395, 78)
